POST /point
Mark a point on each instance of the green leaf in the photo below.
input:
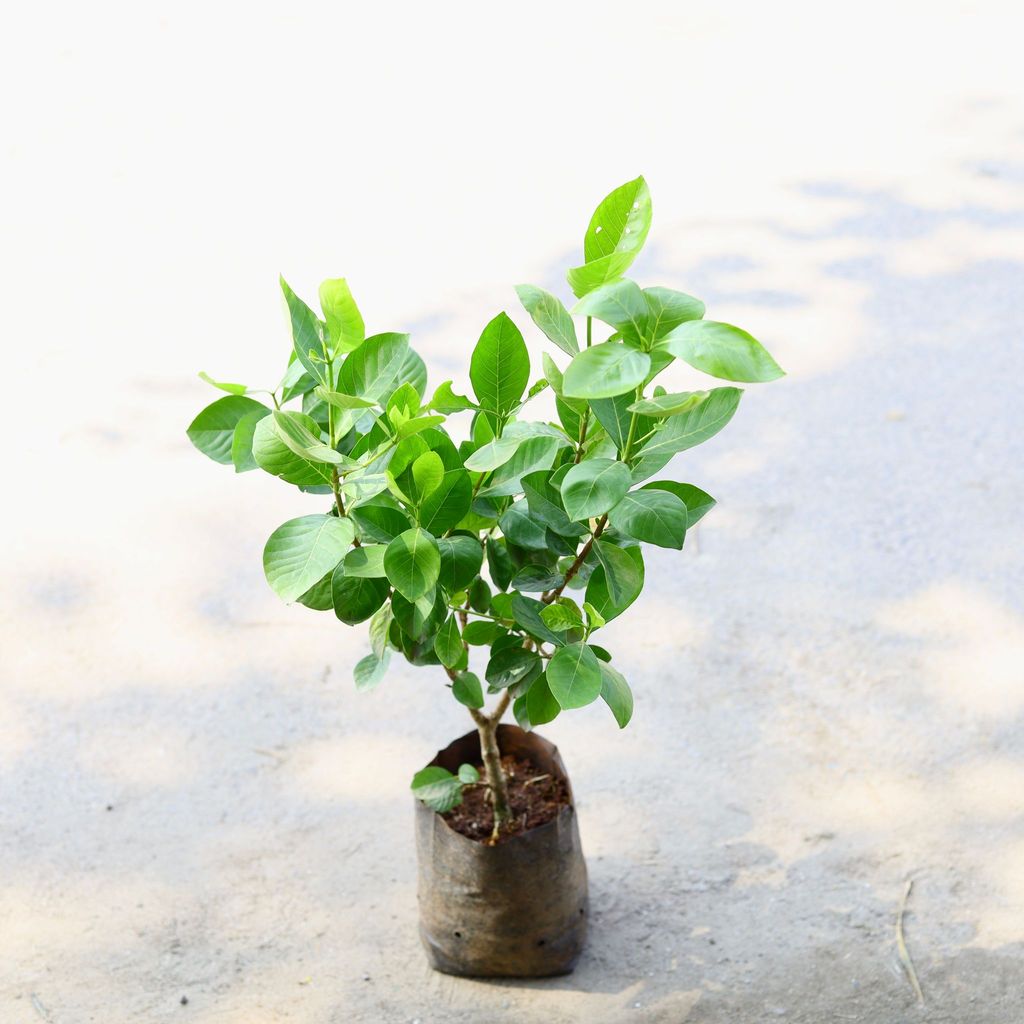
(448, 643)
(380, 520)
(667, 309)
(437, 788)
(595, 620)
(499, 562)
(563, 614)
(466, 689)
(419, 618)
(480, 595)
(468, 774)
(344, 321)
(292, 429)
(318, 597)
(622, 305)
(548, 313)
(615, 692)
(536, 578)
(412, 562)
(445, 507)
(510, 666)
(461, 558)
(231, 389)
(427, 474)
(662, 406)
(534, 454)
(366, 562)
(627, 584)
(688, 429)
(356, 598)
(613, 414)
(522, 528)
(541, 705)
(305, 334)
(376, 368)
(273, 456)
(574, 676)
(622, 577)
(369, 671)
(527, 613)
(594, 274)
(593, 486)
(545, 503)
(341, 401)
(213, 430)
(241, 442)
(605, 370)
(499, 368)
(482, 632)
(446, 401)
(495, 453)
(654, 516)
(620, 223)
(380, 623)
(698, 503)
(722, 350)
(301, 551)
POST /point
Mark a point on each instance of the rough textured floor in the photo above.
(201, 821)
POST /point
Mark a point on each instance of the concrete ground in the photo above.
(202, 822)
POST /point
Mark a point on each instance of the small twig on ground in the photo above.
(901, 946)
(536, 778)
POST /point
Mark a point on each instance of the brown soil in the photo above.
(534, 798)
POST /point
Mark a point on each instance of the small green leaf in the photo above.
(500, 366)
(306, 335)
(380, 623)
(698, 503)
(605, 370)
(548, 313)
(595, 620)
(594, 274)
(437, 788)
(448, 643)
(499, 563)
(593, 486)
(344, 321)
(534, 454)
(366, 561)
(356, 598)
(527, 613)
(494, 454)
(615, 692)
(620, 223)
(292, 429)
(662, 406)
(722, 350)
(427, 474)
(461, 558)
(446, 401)
(468, 775)
(562, 615)
(541, 705)
(213, 430)
(482, 632)
(620, 304)
(412, 562)
(377, 367)
(369, 671)
(574, 676)
(511, 666)
(623, 579)
(340, 401)
(536, 578)
(302, 551)
(654, 516)
(231, 389)
(466, 689)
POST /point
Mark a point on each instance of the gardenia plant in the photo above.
(520, 542)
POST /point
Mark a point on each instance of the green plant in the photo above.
(445, 547)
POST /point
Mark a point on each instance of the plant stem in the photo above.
(580, 559)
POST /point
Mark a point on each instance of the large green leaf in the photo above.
(301, 551)
(213, 430)
(446, 506)
(356, 598)
(306, 335)
(366, 561)
(550, 316)
(522, 528)
(412, 562)
(653, 516)
(438, 788)
(698, 503)
(620, 304)
(273, 456)
(344, 321)
(241, 442)
(592, 275)
(620, 223)
(499, 368)
(722, 350)
(541, 705)
(510, 666)
(628, 583)
(667, 309)
(605, 370)
(688, 429)
(376, 368)
(545, 504)
(293, 429)
(534, 454)
(574, 676)
(461, 558)
(615, 692)
(593, 486)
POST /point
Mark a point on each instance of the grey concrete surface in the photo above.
(202, 822)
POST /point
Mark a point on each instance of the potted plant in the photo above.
(494, 559)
